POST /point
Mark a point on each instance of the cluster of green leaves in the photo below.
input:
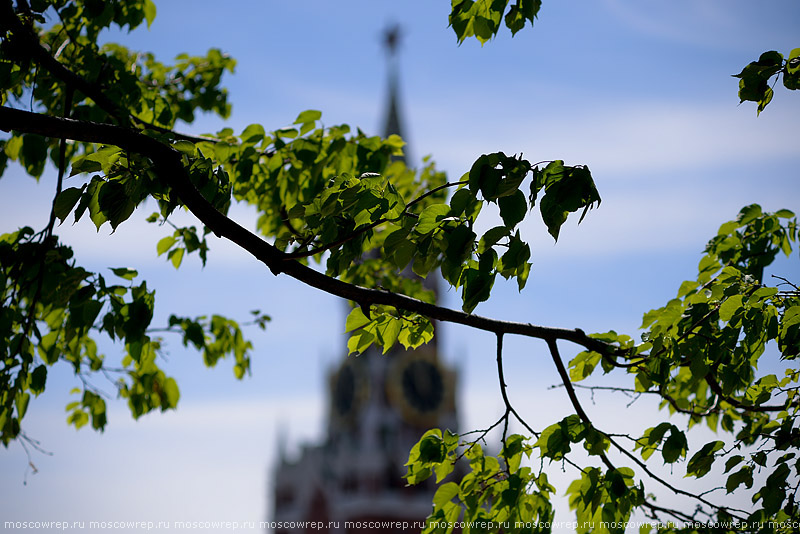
(49, 308)
(143, 90)
(700, 354)
(754, 80)
(482, 18)
(499, 494)
(496, 495)
(321, 193)
(701, 351)
(555, 441)
(54, 311)
(441, 236)
(217, 338)
(386, 326)
(601, 498)
(147, 90)
(604, 500)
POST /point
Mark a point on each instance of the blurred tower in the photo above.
(392, 124)
(378, 407)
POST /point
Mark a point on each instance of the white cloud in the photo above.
(708, 24)
(619, 140)
(668, 174)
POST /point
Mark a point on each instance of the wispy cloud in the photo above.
(707, 24)
(623, 140)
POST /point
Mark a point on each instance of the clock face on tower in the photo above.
(418, 387)
(423, 385)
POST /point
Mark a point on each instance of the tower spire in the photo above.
(391, 42)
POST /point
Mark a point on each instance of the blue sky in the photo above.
(640, 92)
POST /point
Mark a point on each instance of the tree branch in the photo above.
(28, 43)
(714, 407)
(717, 389)
(551, 343)
(169, 168)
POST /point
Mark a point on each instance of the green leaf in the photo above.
(310, 115)
(444, 494)
(66, 200)
(355, 320)
(432, 449)
(253, 134)
(701, 462)
(514, 261)
(582, 365)
(652, 438)
(791, 72)
(754, 79)
(459, 244)
(165, 244)
(115, 203)
(675, 446)
(124, 272)
(732, 462)
(396, 143)
(13, 147)
(478, 283)
(479, 18)
(176, 256)
(512, 451)
(78, 418)
(171, 394)
(388, 332)
(21, 402)
(553, 442)
(360, 341)
(513, 208)
(520, 12)
(431, 217)
(491, 237)
(185, 147)
(742, 476)
(149, 12)
(730, 307)
(38, 379)
(567, 190)
(33, 155)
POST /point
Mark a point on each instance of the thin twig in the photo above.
(551, 343)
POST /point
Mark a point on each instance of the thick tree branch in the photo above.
(169, 167)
